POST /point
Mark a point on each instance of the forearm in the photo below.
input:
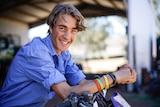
(63, 89)
(90, 86)
(122, 76)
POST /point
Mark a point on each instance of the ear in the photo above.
(50, 29)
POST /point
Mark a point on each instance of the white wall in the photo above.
(141, 19)
(16, 28)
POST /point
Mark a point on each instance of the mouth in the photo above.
(64, 42)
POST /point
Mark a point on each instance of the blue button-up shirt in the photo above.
(34, 69)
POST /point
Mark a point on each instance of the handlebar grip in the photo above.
(64, 104)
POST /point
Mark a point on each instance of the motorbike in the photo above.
(98, 99)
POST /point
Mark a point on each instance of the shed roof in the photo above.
(34, 12)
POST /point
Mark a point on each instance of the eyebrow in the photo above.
(62, 26)
(66, 26)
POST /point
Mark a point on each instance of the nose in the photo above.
(67, 34)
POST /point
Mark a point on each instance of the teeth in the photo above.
(63, 42)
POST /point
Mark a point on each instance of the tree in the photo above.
(93, 39)
(156, 6)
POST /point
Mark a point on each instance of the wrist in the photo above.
(113, 77)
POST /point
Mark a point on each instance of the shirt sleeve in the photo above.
(73, 74)
(38, 65)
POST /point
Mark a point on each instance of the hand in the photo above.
(124, 66)
(125, 75)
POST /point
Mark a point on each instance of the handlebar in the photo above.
(76, 100)
(87, 99)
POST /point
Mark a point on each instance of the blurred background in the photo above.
(118, 32)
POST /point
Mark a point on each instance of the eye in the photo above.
(74, 30)
(62, 29)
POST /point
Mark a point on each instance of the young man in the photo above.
(44, 67)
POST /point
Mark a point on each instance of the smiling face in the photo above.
(63, 33)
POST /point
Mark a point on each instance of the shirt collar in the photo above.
(49, 44)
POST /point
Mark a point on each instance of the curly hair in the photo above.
(68, 9)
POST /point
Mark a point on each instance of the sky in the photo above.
(41, 31)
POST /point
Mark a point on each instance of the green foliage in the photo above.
(156, 6)
(95, 35)
(92, 43)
